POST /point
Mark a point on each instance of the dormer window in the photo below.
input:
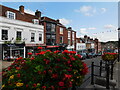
(36, 21)
(10, 15)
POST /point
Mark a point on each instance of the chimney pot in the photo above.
(21, 9)
(38, 14)
(70, 28)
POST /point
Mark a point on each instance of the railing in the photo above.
(108, 68)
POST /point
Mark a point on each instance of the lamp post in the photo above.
(118, 45)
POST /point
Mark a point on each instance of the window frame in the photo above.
(9, 13)
(32, 37)
(4, 35)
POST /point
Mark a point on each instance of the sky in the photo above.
(94, 19)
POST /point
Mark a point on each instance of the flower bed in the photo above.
(45, 70)
(109, 56)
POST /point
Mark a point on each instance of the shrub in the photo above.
(45, 70)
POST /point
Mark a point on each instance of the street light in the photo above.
(118, 45)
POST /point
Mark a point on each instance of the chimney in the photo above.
(38, 14)
(85, 36)
(70, 28)
(58, 20)
(21, 9)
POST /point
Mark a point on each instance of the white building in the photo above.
(17, 36)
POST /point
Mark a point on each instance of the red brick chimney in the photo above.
(21, 9)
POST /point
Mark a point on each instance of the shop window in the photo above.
(4, 34)
(40, 37)
(61, 39)
(61, 30)
(32, 37)
(10, 15)
(19, 33)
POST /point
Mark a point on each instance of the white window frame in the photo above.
(69, 34)
(11, 13)
(36, 21)
(61, 30)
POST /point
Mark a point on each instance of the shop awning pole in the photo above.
(10, 52)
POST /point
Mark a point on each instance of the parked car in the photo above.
(83, 56)
(94, 55)
(90, 55)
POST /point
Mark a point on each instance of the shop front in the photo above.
(12, 51)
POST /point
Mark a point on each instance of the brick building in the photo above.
(20, 32)
(57, 36)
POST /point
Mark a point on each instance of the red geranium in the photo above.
(29, 53)
(18, 75)
(39, 48)
(43, 86)
(18, 68)
(61, 83)
(34, 85)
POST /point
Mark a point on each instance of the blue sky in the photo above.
(95, 19)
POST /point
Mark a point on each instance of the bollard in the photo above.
(112, 71)
(107, 76)
(92, 73)
(100, 68)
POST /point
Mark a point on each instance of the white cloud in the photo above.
(107, 36)
(83, 31)
(92, 28)
(29, 11)
(86, 10)
(65, 21)
(103, 10)
(109, 26)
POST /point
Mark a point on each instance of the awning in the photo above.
(51, 46)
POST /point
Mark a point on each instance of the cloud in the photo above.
(86, 10)
(109, 26)
(103, 10)
(65, 21)
(92, 28)
(83, 31)
(29, 11)
(108, 36)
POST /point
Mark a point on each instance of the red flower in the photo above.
(85, 71)
(72, 52)
(61, 83)
(19, 58)
(58, 60)
(54, 75)
(65, 51)
(47, 51)
(33, 58)
(68, 62)
(43, 52)
(68, 76)
(39, 48)
(44, 72)
(29, 53)
(56, 51)
(34, 85)
(18, 68)
(47, 62)
(72, 58)
(18, 75)
(9, 68)
(70, 65)
(52, 87)
(43, 86)
(78, 55)
(39, 72)
(26, 85)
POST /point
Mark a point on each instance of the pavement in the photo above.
(116, 76)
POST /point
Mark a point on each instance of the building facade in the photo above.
(71, 39)
(20, 32)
